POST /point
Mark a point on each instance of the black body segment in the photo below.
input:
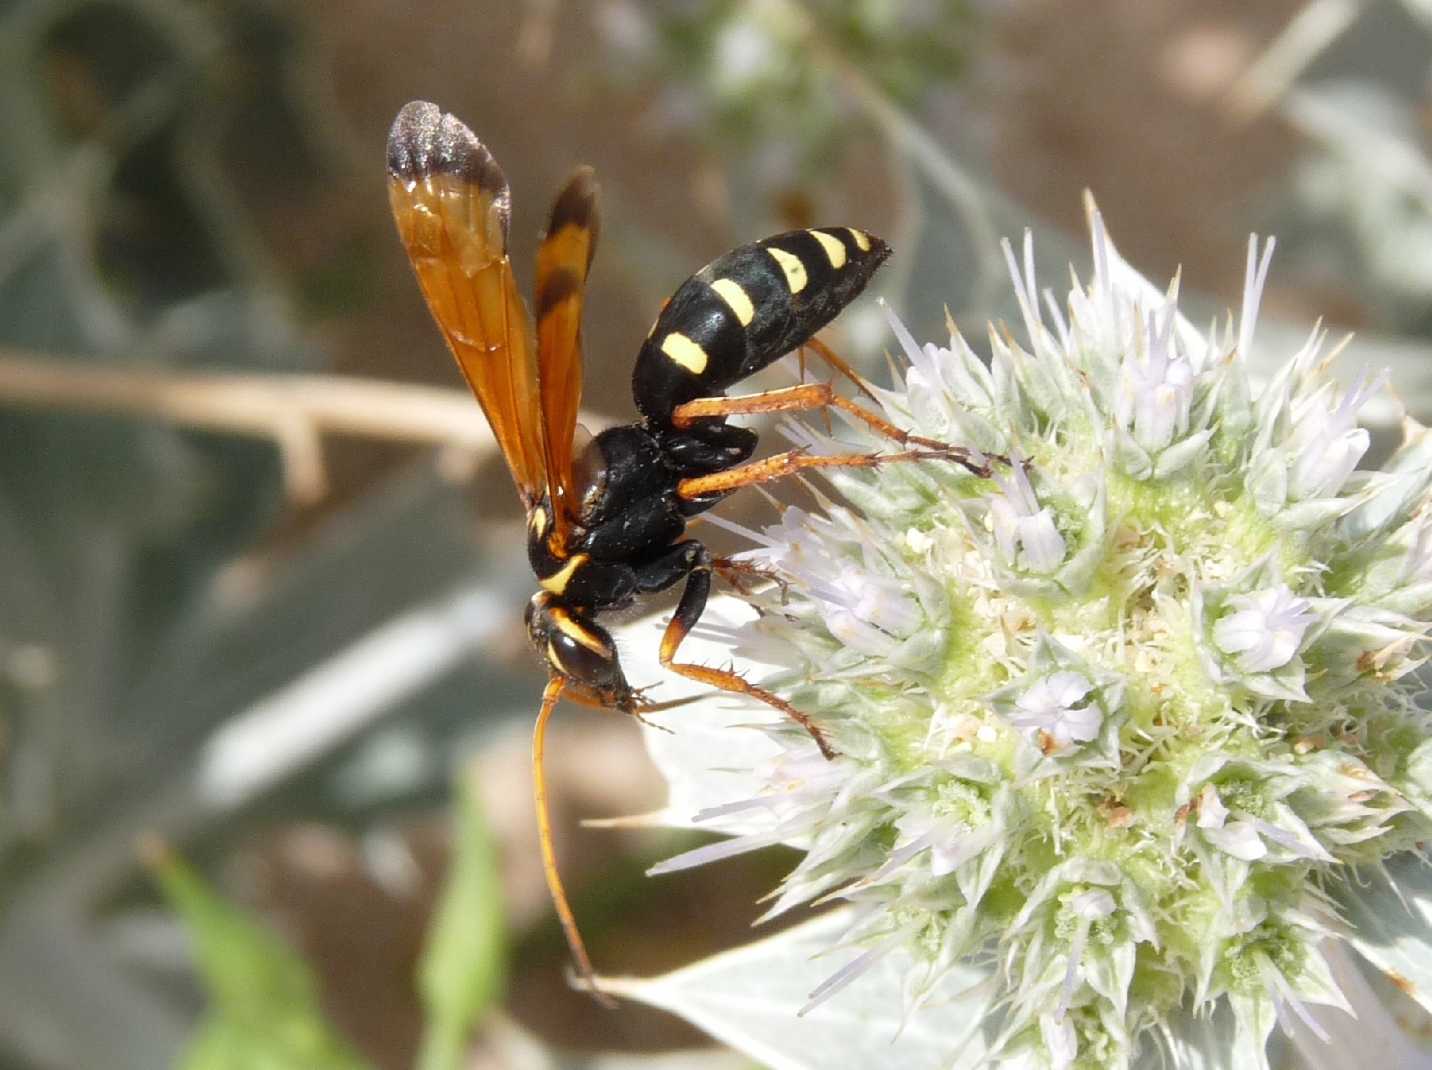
(746, 309)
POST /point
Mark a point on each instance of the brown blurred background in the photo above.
(197, 188)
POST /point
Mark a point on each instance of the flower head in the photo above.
(1118, 722)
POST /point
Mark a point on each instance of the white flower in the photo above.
(1237, 838)
(1264, 630)
(1054, 707)
(1123, 727)
(1156, 390)
(1026, 534)
(1326, 443)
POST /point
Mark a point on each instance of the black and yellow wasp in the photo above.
(606, 525)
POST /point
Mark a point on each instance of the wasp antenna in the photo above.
(549, 855)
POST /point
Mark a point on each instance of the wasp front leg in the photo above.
(688, 612)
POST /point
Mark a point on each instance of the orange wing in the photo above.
(453, 208)
(563, 261)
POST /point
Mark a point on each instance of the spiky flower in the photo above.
(1125, 723)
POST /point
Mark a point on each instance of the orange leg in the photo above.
(688, 612)
(823, 396)
(820, 349)
(799, 399)
(793, 461)
(549, 854)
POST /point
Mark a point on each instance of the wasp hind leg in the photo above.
(688, 612)
(809, 396)
(838, 364)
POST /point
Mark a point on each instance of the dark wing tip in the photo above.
(424, 140)
(577, 203)
(411, 138)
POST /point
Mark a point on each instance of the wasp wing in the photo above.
(453, 209)
(563, 260)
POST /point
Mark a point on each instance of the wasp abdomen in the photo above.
(747, 308)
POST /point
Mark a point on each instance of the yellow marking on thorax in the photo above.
(557, 582)
(834, 247)
(862, 240)
(537, 520)
(574, 631)
(684, 352)
(736, 299)
(791, 266)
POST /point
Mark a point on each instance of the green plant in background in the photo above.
(1125, 733)
(747, 73)
(264, 1005)
(461, 973)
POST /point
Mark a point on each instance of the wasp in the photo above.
(606, 522)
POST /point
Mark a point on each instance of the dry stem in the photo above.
(293, 410)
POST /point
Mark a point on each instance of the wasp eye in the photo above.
(584, 665)
(576, 647)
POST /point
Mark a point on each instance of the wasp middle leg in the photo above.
(789, 463)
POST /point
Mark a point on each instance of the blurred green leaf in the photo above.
(264, 1013)
(461, 973)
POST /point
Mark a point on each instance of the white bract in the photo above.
(1125, 728)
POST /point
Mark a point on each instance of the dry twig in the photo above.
(293, 410)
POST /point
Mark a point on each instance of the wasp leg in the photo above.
(742, 574)
(812, 396)
(549, 854)
(837, 362)
(688, 612)
(666, 570)
(793, 461)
